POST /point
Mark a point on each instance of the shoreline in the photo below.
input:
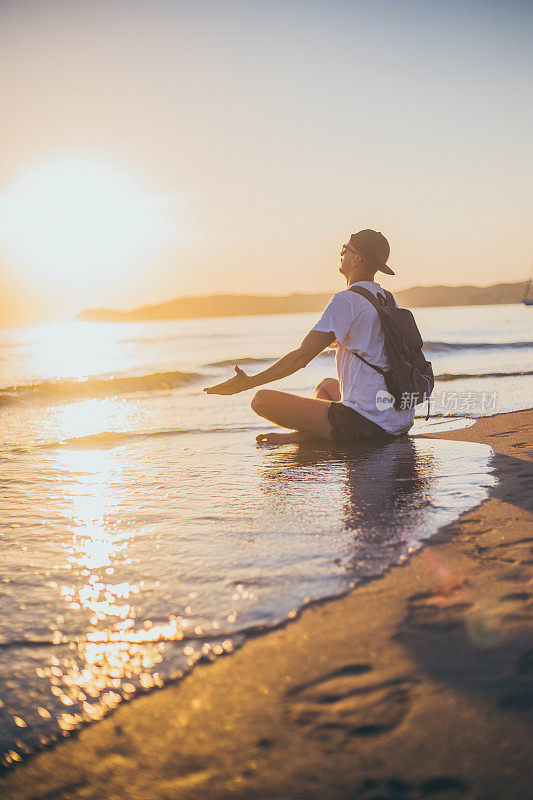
(419, 684)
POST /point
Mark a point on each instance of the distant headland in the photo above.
(235, 305)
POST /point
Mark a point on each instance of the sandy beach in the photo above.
(228, 233)
(416, 685)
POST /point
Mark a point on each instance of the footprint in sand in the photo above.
(441, 613)
(517, 553)
(518, 607)
(348, 703)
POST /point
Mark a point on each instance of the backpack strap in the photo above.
(378, 369)
(377, 303)
(390, 301)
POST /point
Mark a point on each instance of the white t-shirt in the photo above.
(355, 323)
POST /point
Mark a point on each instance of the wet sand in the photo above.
(417, 685)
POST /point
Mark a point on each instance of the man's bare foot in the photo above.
(279, 438)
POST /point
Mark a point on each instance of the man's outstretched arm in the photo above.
(312, 345)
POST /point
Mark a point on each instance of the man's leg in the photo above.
(328, 389)
(306, 417)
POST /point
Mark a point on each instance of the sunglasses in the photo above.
(346, 247)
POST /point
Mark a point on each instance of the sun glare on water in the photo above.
(73, 222)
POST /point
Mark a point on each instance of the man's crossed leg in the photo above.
(305, 417)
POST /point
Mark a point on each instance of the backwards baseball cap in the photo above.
(374, 248)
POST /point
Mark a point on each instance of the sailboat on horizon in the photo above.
(528, 301)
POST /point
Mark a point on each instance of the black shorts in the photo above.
(349, 426)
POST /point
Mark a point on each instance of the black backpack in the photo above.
(410, 378)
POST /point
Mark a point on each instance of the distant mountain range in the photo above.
(234, 305)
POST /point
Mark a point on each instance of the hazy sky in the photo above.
(245, 141)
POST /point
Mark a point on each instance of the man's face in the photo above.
(348, 260)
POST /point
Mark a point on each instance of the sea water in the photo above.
(143, 531)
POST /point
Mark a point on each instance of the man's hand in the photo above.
(239, 383)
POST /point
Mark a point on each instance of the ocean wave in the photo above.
(8, 399)
(444, 347)
(251, 362)
(72, 389)
(455, 376)
(242, 362)
(116, 438)
(112, 438)
(429, 347)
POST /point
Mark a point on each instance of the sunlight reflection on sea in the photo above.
(142, 530)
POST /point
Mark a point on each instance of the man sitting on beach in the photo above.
(357, 404)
